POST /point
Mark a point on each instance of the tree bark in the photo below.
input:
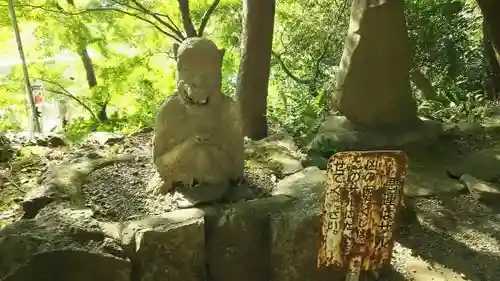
(374, 82)
(253, 75)
(92, 79)
(35, 122)
(491, 83)
(490, 10)
(186, 18)
(88, 66)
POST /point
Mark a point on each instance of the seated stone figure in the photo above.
(198, 143)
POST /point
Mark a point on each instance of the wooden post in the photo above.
(363, 195)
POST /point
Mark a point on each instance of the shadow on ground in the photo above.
(459, 233)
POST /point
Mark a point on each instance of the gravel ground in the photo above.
(118, 192)
(455, 232)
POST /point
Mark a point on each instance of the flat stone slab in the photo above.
(419, 184)
(420, 270)
(483, 164)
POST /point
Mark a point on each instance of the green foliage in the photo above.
(133, 64)
(311, 50)
(446, 39)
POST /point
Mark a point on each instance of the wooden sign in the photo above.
(363, 193)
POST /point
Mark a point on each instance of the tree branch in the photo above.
(322, 56)
(107, 9)
(149, 12)
(170, 20)
(206, 17)
(65, 92)
(288, 72)
(172, 28)
(186, 18)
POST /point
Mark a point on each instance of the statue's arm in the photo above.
(238, 145)
(163, 123)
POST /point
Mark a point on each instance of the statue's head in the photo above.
(199, 63)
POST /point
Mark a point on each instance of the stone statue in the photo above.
(198, 145)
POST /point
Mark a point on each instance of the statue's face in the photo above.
(197, 83)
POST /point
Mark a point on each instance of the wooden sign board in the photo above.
(363, 193)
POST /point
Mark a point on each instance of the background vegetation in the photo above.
(130, 55)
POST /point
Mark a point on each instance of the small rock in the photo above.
(201, 193)
(239, 192)
(422, 271)
(483, 164)
(470, 129)
(277, 152)
(106, 138)
(485, 191)
(303, 183)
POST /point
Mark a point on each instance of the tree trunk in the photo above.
(88, 65)
(374, 81)
(186, 18)
(253, 75)
(490, 10)
(35, 122)
(92, 79)
(491, 83)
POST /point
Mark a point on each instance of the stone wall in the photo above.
(275, 238)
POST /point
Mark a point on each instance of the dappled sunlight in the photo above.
(122, 157)
(458, 233)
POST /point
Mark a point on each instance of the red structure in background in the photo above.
(38, 99)
(37, 92)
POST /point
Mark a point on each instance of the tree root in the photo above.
(64, 183)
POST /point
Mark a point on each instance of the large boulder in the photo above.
(372, 92)
(277, 153)
(63, 243)
(482, 164)
(337, 133)
(168, 247)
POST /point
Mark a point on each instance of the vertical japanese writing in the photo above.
(364, 216)
(339, 168)
(332, 212)
(361, 199)
(388, 211)
(348, 227)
